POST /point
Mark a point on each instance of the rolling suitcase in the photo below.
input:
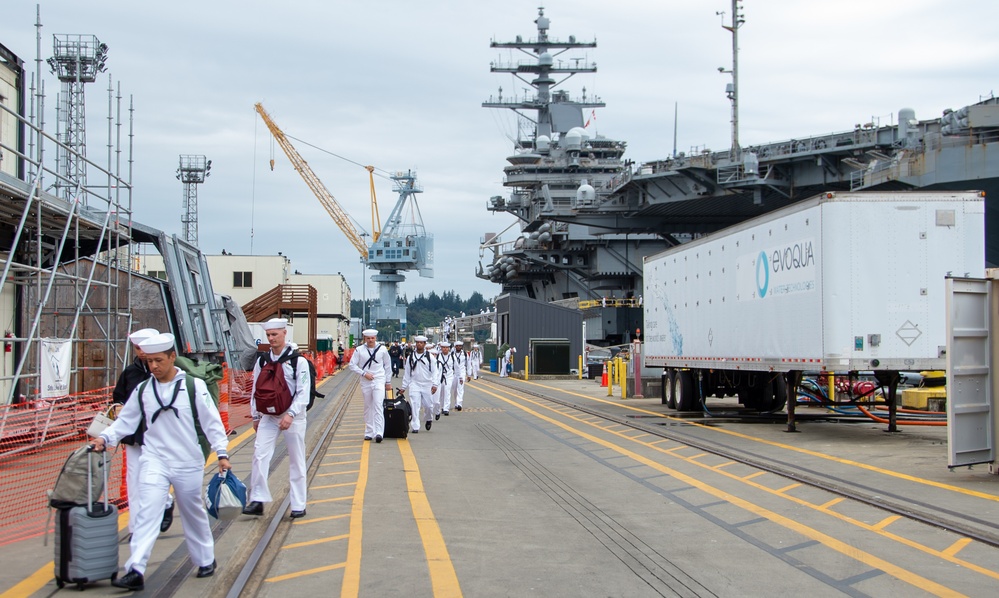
(86, 538)
(397, 417)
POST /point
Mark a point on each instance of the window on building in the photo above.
(161, 274)
(242, 280)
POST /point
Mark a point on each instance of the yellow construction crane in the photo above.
(322, 193)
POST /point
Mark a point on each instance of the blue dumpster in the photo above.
(493, 365)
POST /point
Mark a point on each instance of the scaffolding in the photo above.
(68, 273)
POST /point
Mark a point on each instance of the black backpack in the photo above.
(293, 358)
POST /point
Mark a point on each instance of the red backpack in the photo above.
(271, 394)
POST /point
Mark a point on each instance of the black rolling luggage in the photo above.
(86, 538)
(397, 416)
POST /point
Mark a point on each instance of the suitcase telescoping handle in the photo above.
(90, 479)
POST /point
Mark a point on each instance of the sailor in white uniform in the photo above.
(507, 358)
(291, 423)
(445, 377)
(475, 361)
(460, 374)
(372, 363)
(419, 382)
(171, 454)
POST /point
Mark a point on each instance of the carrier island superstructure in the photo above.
(587, 218)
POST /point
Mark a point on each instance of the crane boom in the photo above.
(322, 193)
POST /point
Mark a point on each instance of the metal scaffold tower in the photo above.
(67, 257)
(76, 60)
(193, 171)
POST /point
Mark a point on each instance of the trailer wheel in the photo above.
(667, 389)
(685, 391)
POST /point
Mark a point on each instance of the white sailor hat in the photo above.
(157, 343)
(419, 338)
(369, 332)
(275, 324)
(140, 335)
(443, 344)
(458, 343)
(513, 349)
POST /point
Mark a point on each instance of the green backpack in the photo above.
(209, 372)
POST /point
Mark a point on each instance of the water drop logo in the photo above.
(762, 278)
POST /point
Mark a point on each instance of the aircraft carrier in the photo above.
(586, 217)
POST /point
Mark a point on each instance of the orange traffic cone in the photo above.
(603, 378)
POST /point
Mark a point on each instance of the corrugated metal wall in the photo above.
(519, 319)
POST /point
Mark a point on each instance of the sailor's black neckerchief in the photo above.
(170, 407)
(413, 362)
(371, 358)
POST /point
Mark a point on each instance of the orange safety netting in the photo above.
(37, 437)
(35, 440)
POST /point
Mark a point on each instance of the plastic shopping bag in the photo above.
(101, 422)
(225, 496)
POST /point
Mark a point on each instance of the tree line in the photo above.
(427, 310)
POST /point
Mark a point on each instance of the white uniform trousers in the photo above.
(263, 450)
(476, 364)
(442, 398)
(373, 392)
(132, 455)
(458, 389)
(154, 488)
(420, 396)
(133, 467)
(502, 371)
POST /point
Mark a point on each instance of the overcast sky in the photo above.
(399, 84)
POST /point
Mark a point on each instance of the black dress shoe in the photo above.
(167, 519)
(378, 438)
(254, 508)
(428, 424)
(297, 514)
(458, 407)
(132, 580)
(367, 438)
(207, 570)
(447, 413)
(437, 416)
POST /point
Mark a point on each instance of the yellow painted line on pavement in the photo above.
(956, 547)
(351, 585)
(752, 475)
(332, 473)
(314, 542)
(831, 503)
(443, 578)
(318, 519)
(830, 542)
(306, 572)
(339, 463)
(786, 488)
(37, 580)
(332, 486)
(804, 451)
(322, 500)
(343, 454)
(886, 522)
(721, 465)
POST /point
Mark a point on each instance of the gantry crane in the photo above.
(404, 245)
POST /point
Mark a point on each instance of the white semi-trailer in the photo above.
(842, 282)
